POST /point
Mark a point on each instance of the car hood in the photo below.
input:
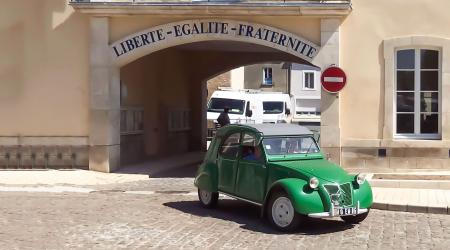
(320, 168)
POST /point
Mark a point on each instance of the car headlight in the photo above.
(360, 178)
(313, 183)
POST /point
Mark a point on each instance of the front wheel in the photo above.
(355, 219)
(208, 199)
(281, 213)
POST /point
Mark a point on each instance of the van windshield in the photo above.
(218, 104)
(273, 107)
(290, 145)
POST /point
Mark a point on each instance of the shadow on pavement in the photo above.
(180, 165)
(181, 172)
(186, 171)
(248, 216)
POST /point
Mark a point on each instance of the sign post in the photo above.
(333, 79)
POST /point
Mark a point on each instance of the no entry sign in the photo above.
(333, 79)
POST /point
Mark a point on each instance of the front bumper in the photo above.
(332, 212)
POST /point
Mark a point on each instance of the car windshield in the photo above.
(273, 107)
(290, 145)
(218, 104)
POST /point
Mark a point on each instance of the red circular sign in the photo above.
(333, 79)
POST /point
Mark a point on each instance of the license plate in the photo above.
(346, 211)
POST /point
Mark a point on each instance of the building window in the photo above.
(308, 80)
(267, 76)
(131, 120)
(417, 97)
(179, 120)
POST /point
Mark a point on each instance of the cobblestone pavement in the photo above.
(165, 220)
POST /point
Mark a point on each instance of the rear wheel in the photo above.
(355, 219)
(281, 212)
(208, 199)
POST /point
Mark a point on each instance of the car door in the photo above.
(251, 171)
(227, 161)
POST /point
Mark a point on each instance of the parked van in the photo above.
(243, 106)
(249, 106)
(276, 107)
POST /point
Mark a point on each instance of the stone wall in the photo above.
(395, 159)
(43, 152)
(253, 78)
(222, 80)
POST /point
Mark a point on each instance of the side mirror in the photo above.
(248, 113)
(288, 110)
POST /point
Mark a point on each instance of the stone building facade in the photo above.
(85, 83)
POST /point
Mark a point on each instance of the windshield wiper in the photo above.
(310, 145)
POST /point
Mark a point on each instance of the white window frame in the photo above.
(305, 72)
(264, 82)
(417, 92)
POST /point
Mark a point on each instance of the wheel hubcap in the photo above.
(205, 196)
(282, 212)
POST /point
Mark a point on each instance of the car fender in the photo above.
(364, 195)
(305, 200)
(207, 178)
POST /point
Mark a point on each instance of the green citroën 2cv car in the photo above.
(280, 168)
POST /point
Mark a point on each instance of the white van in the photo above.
(276, 107)
(243, 107)
(250, 106)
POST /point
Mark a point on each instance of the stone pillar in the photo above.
(328, 55)
(204, 122)
(104, 135)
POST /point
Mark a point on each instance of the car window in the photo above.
(230, 146)
(235, 106)
(290, 145)
(273, 107)
(250, 151)
(248, 139)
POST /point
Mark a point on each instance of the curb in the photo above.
(411, 208)
(423, 184)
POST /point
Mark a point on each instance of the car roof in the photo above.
(271, 129)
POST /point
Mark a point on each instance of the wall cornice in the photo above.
(222, 8)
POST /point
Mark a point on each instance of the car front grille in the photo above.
(340, 195)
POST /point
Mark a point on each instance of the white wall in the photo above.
(305, 100)
(237, 78)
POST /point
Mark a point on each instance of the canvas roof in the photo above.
(268, 129)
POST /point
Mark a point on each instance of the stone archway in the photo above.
(106, 60)
(168, 35)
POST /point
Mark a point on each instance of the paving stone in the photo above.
(417, 209)
(380, 205)
(118, 220)
(437, 210)
(397, 207)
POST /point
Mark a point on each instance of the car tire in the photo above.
(208, 199)
(281, 213)
(355, 219)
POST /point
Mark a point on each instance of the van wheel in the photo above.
(208, 199)
(281, 212)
